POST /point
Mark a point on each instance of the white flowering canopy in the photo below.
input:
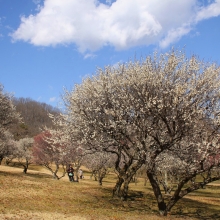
(146, 105)
(8, 115)
(161, 112)
(8, 112)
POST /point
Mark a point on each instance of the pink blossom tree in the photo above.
(50, 154)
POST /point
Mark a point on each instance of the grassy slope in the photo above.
(38, 196)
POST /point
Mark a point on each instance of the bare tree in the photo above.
(140, 110)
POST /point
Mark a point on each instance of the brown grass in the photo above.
(37, 196)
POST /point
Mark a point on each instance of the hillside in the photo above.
(34, 115)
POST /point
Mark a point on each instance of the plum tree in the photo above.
(141, 111)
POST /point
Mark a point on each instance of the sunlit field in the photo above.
(37, 195)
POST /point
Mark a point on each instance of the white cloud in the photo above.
(212, 10)
(174, 35)
(52, 99)
(89, 55)
(91, 25)
(36, 2)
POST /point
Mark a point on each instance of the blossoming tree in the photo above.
(141, 111)
(8, 115)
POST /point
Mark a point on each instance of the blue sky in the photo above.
(48, 45)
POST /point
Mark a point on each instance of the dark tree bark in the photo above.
(157, 192)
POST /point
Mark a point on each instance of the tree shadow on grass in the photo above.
(211, 192)
(32, 175)
(135, 202)
(40, 175)
(196, 209)
(139, 201)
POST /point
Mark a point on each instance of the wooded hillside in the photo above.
(34, 117)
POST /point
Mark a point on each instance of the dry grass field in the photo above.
(37, 196)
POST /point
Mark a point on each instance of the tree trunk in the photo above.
(95, 176)
(55, 176)
(1, 158)
(26, 166)
(101, 175)
(25, 170)
(56, 171)
(157, 192)
(124, 192)
(117, 188)
(100, 180)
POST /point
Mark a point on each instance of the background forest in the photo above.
(35, 117)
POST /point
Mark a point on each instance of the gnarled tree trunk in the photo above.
(117, 187)
(157, 192)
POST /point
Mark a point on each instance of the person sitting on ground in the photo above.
(70, 172)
